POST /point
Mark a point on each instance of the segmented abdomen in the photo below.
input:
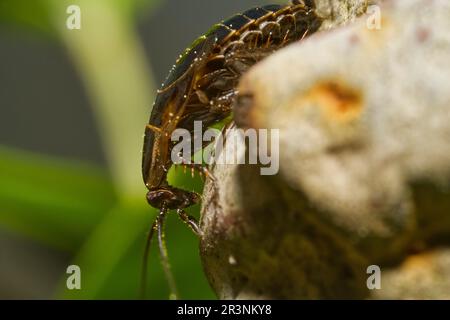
(201, 86)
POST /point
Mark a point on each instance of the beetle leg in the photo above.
(153, 128)
(163, 252)
(202, 97)
(145, 260)
(223, 104)
(201, 169)
(158, 226)
(304, 34)
(190, 221)
(221, 80)
(308, 3)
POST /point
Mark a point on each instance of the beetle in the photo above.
(202, 87)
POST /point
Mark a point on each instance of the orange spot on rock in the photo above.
(417, 262)
(337, 101)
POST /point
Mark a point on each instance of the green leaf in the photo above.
(25, 13)
(54, 201)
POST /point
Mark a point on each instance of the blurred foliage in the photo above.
(32, 14)
(35, 15)
(99, 216)
(64, 204)
(54, 201)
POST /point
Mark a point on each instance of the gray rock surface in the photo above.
(363, 115)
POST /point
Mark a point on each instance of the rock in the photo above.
(364, 161)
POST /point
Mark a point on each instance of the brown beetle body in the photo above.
(202, 87)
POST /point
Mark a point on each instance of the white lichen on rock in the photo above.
(364, 120)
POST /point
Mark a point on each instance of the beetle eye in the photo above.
(195, 197)
(153, 198)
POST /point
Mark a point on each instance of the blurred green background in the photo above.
(73, 105)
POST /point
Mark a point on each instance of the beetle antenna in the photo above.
(164, 255)
(145, 259)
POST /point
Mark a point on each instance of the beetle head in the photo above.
(172, 198)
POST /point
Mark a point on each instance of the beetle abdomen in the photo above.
(201, 86)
